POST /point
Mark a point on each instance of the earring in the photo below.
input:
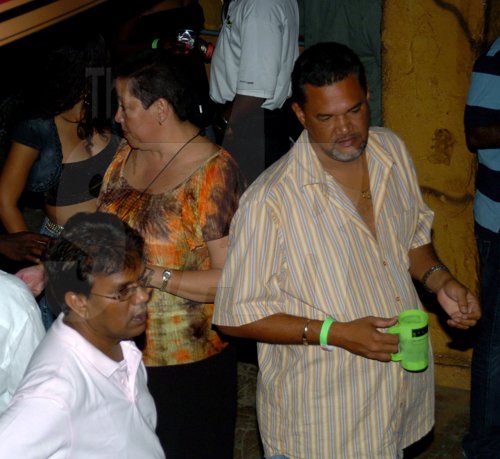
(87, 98)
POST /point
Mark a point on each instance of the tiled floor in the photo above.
(444, 442)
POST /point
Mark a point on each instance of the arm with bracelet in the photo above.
(457, 301)
(312, 328)
(365, 336)
(360, 336)
(196, 285)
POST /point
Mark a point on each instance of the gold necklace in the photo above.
(365, 194)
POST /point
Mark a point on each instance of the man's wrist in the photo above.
(305, 337)
(323, 336)
(435, 277)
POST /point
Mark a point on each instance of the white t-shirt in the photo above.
(255, 51)
(21, 329)
(75, 402)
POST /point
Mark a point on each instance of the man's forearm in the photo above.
(242, 108)
(276, 329)
(483, 137)
(361, 336)
(423, 259)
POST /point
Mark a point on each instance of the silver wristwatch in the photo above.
(167, 274)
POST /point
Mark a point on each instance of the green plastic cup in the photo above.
(413, 331)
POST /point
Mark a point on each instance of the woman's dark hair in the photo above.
(90, 244)
(158, 73)
(323, 64)
(75, 70)
(68, 72)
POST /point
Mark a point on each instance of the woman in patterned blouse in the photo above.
(180, 191)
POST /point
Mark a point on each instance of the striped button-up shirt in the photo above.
(298, 246)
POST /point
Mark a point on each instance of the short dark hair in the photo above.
(159, 73)
(91, 243)
(324, 64)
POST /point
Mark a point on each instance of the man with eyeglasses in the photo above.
(84, 393)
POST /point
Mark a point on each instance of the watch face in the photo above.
(165, 278)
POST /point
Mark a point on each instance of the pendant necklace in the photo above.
(161, 172)
(170, 160)
(365, 194)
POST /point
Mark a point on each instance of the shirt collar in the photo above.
(94, 356)
(377, 151)
(309, 171)
(307, 167)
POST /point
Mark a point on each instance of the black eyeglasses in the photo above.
(125, 293)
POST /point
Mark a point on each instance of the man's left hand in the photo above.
(460, 304)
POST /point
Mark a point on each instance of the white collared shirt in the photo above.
(75, 402)
(21, 329)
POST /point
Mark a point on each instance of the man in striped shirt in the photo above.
(482, 130)
(323, 250)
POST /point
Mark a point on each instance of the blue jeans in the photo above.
(483, 439)
(48, 228)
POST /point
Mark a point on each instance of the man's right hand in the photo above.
(363, 337)
(24, 246)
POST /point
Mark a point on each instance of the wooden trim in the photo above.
(40, 18)
(9, 4)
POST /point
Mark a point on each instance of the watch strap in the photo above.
(167, 274)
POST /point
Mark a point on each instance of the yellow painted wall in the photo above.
(429, 47)
(492, 20)
(212, 13)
